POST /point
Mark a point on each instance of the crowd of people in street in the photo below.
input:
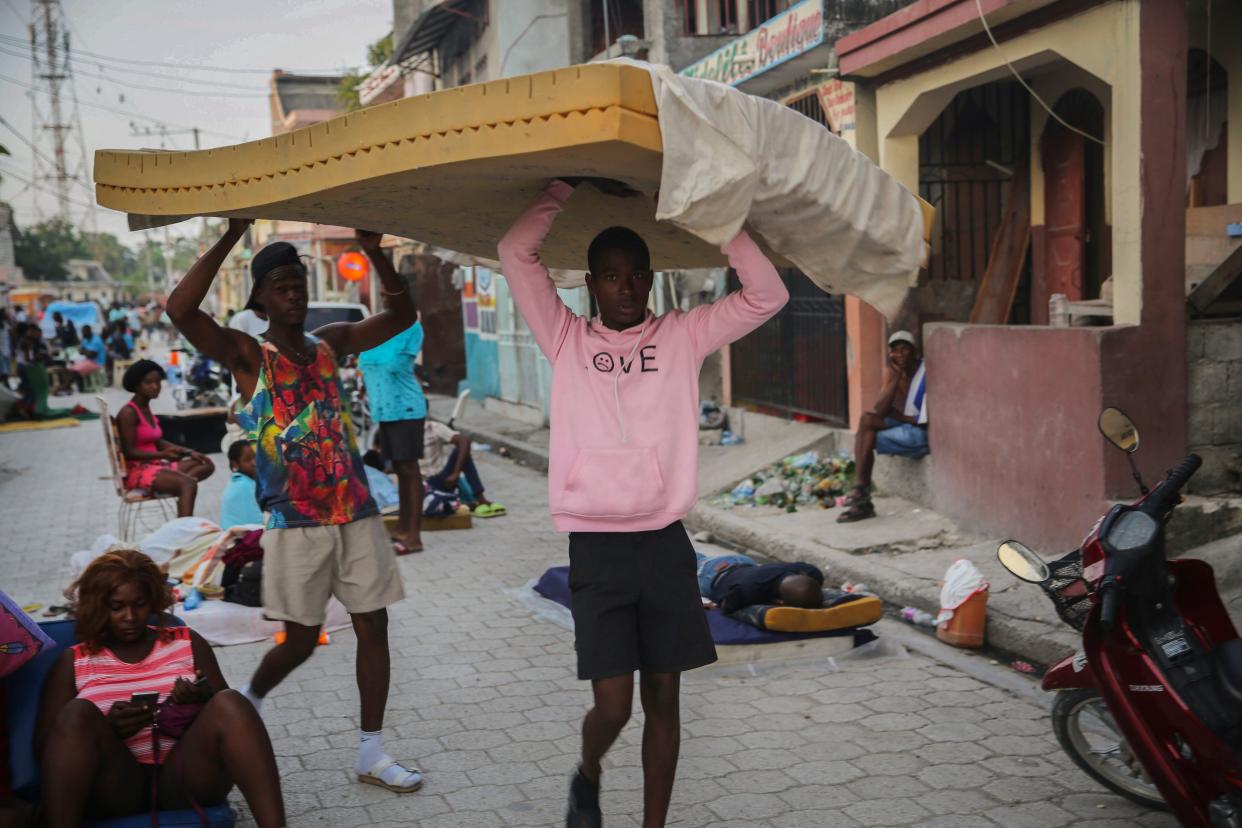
(71, 358)
(622, 475)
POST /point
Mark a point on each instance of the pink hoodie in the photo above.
(625, 404)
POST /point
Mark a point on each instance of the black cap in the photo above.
(276, 254)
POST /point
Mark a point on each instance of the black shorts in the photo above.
(402, 439)
(635, 602)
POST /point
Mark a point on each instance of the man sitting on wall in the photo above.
(891, 427)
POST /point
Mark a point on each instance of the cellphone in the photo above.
(201, 681)
(145, 699)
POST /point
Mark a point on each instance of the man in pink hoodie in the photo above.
(623, 471)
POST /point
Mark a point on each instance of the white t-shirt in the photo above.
(248, 322)
(437, 446)
(916, 397)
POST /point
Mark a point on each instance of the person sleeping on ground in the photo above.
(781, 597)
(101, 756)
(733, 582)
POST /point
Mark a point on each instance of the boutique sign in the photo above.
(785, 36)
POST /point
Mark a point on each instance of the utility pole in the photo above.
(49, 45)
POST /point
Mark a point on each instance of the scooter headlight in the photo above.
(1133, 531)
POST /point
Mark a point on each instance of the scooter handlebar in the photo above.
(1166, 495)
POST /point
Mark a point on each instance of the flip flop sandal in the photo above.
(489, 510)
(859, 511)
(412, 777)
(400, 548)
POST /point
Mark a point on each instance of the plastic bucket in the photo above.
(966, 627)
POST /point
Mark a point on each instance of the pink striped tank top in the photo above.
(104, 679)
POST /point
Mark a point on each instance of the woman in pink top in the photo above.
(151, 462)
(96, 746)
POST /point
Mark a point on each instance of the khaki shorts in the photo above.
(302, 566)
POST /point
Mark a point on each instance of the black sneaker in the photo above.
(583, 803)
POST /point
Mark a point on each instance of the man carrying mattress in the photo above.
(324, 535)
(622, 473)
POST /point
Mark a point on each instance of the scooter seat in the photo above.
(1229, 667)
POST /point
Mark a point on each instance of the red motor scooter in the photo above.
(1151, 705)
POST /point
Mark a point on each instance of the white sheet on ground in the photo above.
(731, 159)
(223, 623)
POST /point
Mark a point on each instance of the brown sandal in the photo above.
(861, 510)
(857, 495)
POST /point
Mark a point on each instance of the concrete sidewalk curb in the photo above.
(1028, 639)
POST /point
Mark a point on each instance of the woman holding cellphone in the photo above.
(138, 718)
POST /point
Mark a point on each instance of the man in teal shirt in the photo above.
(400, 408)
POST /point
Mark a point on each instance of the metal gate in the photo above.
(966, 159)
(795, 363)
(520, 375)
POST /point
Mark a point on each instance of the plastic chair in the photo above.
(132, 501)
(23, 689)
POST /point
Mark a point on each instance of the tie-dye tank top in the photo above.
(306, 458)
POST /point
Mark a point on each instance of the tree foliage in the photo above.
(378, 54)
(43, 251)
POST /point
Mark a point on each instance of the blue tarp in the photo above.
(79, 313)
(554, 585)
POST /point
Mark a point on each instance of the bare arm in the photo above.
(233, 349)
(205, 663)
(399, 309)
(531, 286)
(763, 294)
(463, 454)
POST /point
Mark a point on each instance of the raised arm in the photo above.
(762, 295)
(399, 310)
(233, 349)
(533, 290)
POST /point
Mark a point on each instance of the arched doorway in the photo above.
(1077, 244)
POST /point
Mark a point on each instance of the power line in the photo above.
(193, 67)
(147, 87)
(34, 185)
(13, 8)
(127, 113)
(14, 52)
(33, 147)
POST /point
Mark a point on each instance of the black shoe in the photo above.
(583, 804)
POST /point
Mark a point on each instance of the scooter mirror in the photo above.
(1022, 562)
(1119, 430)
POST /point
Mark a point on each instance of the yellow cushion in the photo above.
(857, 613)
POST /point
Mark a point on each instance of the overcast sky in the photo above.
(184, 36)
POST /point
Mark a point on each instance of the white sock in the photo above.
(370, 749)
(257, 701)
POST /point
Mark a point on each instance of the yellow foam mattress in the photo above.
(452, 168)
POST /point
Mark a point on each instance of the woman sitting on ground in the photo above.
(99, 755)
(151, 462)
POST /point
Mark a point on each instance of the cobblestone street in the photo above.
(484, 697)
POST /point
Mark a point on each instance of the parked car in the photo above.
(319, 314)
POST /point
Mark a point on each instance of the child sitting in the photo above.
(240, 504)
(447, 465)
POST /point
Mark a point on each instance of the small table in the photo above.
(198, 429)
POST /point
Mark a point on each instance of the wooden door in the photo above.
(1065, 211)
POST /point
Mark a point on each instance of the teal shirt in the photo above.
(388, 371)
(240, 504)
(94, 348)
